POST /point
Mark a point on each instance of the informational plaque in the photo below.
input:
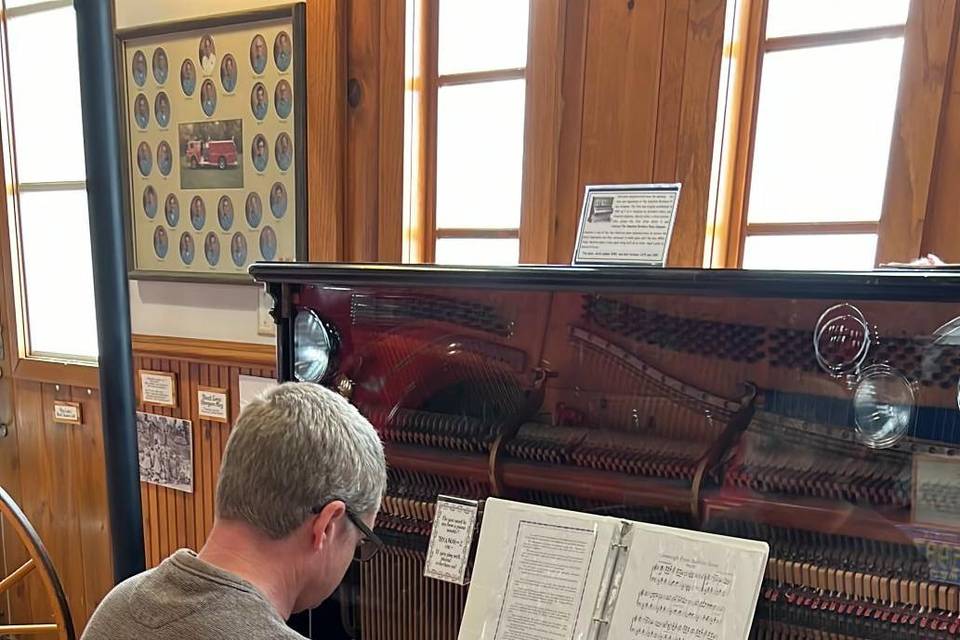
(158, 388)
(626, 224)
(450, 540)
(213, 404)
(67, 412)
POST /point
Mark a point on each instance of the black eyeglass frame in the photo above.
(370, 538)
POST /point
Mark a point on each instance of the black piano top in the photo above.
(932, 285)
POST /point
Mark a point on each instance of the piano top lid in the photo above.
(931, 285)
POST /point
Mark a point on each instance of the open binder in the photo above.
(549, 574)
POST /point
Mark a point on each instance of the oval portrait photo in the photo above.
(187, 248)
(207, 55)
(188, 77)
(161, 108)
(259, 152)
(171, 210)
(268, 243)
(258, 54)
(208, 97)
(254, 210)
(282, 53)
(259, 104)
(225, 213)
(211, 249)
(283, 98)
(283, 151)
(238, 249)
(164, 158)
(278, 200)
(139, 68)
(161, 243)
(141, 111)
(144, 159)
(161, 67)
(198, 213)
(228, 73)
(150, 202)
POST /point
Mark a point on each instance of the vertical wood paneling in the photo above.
(391, 123)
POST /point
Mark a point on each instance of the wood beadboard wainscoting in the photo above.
(176, 519)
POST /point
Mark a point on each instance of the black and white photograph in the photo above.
(282, 51)
(164, 158)
(268, 243)
(139, 68)
(283, 98)
(198, 213)
(208, 97)
(188, 77)
(225, 213)
(161, 242)
(188, 248)
(278, 200)
(259, 103)
(601, 209)
(210, 155)
(283, 151)
(254, 210)
(258, 54)
(238, 249)
(171, 208)
(161, 67)
(228, 73)
(207, 54)
(144, 159)
(211, 249)
(162, 109)
(259, 153)
(150, 202)
(165, 448)
(141, 111)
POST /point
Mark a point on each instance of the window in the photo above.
(811, 111)
(47, 204)
(464, 160)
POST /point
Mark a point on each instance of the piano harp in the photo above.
(789, 408)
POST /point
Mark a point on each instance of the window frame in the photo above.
(27, 364)
(738, 116)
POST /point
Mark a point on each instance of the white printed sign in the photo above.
(67, 412)
(450, 540)
(626, 224)
(158, 388)
(213, 404)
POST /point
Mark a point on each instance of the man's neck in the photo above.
(248, 554)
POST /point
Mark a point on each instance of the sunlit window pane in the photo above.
(481, 36)
(823, 132)
(795, 17)
(59, 273)
(45, 91)
(474, 251)
(849, 252)
(480, 155)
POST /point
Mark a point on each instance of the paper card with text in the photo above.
(448, 553)
(629, 224)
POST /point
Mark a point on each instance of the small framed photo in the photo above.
(215, 131)
(213, 404)
(67, 412)
(158, 388)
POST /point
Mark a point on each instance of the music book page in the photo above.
(680, 584)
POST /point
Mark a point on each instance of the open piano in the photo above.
(817, 412)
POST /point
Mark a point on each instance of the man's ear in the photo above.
(325, 523)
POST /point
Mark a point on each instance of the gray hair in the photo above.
(293, 449)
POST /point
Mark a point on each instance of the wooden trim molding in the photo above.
(54, 372)
(198, 350)
(810, 228)
(788, 43)
(474, 77)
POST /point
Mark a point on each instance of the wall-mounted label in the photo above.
(67, 412)
(454, 522)
(158, 388)
(213, 404)
(627, 224)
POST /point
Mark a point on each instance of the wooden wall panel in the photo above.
(175, 519)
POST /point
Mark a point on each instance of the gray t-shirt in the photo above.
(183, 598)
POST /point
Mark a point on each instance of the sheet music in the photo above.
(679, 585)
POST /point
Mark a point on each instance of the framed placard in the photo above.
(158, 388)
(626, 224)
(67, 412)
(213, 404)
(215, 130)
(451, 538)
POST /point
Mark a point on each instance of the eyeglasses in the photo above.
(371, 543)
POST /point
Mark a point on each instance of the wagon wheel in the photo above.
(40, 563)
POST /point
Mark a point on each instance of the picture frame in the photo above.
(213, 403)
(66, 412)
(157, 388)
(214, 128)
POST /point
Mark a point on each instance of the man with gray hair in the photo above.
(300, 486)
